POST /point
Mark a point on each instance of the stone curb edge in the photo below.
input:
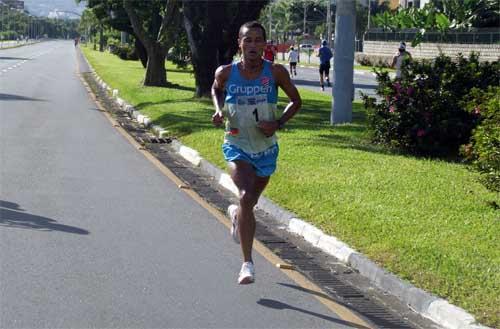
(434, 308)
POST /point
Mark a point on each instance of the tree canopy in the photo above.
(212, 29)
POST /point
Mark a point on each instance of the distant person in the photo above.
(325, 55)
(398, 59)
(77, 41)
(293, 58)
(270, 51)
(246, 93)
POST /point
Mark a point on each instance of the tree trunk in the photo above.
(203, 44)
(212, 29)
(101, 39)
(204, 70)
(156, 75)
(203, 58)
(141, 52)
(343, 62)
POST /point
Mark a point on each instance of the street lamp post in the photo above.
(328, 19)
(329, 23)
(305, 14)
(270, 23)
(369, 9)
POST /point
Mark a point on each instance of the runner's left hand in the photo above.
(268, 128)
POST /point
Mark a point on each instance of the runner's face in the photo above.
(252, 43)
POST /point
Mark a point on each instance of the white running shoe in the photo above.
(247, 273)
(232, 212)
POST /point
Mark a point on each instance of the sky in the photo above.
(49, 7)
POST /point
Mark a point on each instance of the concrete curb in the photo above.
(432, 307)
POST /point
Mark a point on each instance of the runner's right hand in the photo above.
(218, 118)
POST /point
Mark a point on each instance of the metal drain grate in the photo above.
(330, 282)
(155, 140)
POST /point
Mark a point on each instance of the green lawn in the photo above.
(428, 221)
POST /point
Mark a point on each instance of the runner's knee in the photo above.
(248, 199)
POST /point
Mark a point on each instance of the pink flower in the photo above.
(420, 133)
(392, 109)
(397, 86)
(477, 110)
(410, 91)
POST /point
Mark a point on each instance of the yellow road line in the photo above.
(343, 312)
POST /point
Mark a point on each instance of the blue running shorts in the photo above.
(263, 162)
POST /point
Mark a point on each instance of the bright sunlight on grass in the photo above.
(428, 221)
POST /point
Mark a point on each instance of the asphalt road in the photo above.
(307, 77)
(93, 235)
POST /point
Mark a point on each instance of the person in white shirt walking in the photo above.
(293, 58)
(398, 59)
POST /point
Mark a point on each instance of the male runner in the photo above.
(246, 93)
(325, 54)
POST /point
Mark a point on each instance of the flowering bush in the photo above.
(423, 112)
(484, 148)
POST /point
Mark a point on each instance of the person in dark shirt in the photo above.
(325, 55)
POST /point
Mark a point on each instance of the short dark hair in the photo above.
(252, 25)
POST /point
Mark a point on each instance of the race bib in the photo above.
(249, 110)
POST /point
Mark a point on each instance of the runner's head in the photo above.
(252, 40)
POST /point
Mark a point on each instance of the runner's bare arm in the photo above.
(221, 75)
(283, 81)
(394, 60)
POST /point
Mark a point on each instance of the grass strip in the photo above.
(428, 221)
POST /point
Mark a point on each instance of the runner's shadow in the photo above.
(365, 86)
(14, 58)
(277, 305)
(375, 318)
(301, 82)
(11, 215)
(10, 97)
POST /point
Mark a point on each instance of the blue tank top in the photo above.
(247, 102)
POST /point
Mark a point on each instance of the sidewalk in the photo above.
(16, 43)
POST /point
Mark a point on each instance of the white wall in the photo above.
(432, 50)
